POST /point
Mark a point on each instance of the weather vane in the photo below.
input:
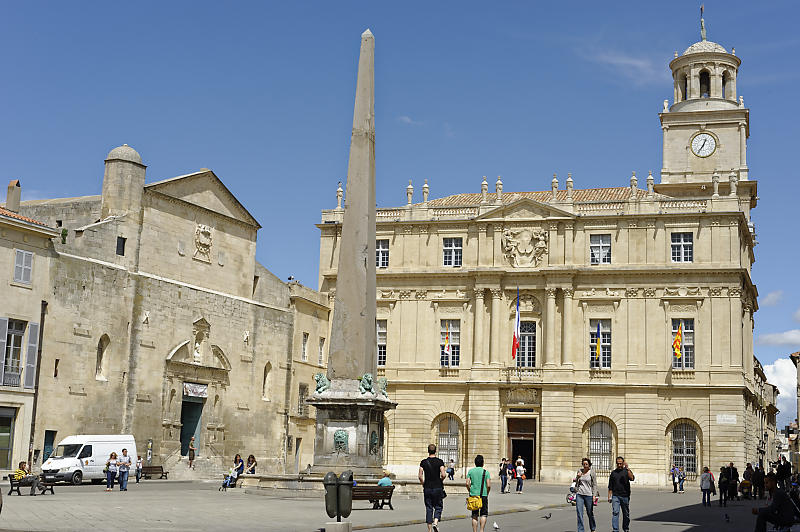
(702, 24)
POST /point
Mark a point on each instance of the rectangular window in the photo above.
(13, 355)
(382, 253)
(321, 359)
(600, 359)
(682, 249)
(121, 246)
(23, 265)
(526, 354)
(7, 416)
(451, 252)
(686, 360)
(600, 249)
(381, 336)
(302, 393)
(450, 343)
(304, 352)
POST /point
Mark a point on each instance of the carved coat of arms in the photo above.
(524, 248)
(202, 242)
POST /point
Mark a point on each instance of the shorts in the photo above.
(484, 509)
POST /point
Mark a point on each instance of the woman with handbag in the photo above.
(586, 493)
(478, 485)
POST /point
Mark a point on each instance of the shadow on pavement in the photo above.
(736, 516)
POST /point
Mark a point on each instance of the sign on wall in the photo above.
(726, 419)
(194, 389)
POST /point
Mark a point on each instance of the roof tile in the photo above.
(10, 214)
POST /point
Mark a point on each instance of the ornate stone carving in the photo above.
(734, 291)
(569, 292)
(496, 293)
(671, 291)
(608, 292)
(682, 308)
(520, 396)
(382, 384)
(527, 303)
(550, 292)
(365, 385)
(715, 291)
(323, 384)
(524, 248)
(202, 242)
(422, 294)
(631, 292)
(387, 294)
(373, 443)
(405, 294)
(649, 292)
(693, 291)
(331, 295)
(340, 443)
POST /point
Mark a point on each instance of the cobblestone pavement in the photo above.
(198, 506)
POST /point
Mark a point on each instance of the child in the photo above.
(139, 463)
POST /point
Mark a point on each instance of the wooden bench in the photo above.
(44, 487)
(377, 495)
(149, 471)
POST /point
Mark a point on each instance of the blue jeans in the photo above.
(588, 502)
(433, 504)
(123, 480)
(680, 484)
(707, 497)
(618, 503)
(503, 482)
(519, 484)
(110, 476)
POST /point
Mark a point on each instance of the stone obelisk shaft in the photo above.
(352, 347)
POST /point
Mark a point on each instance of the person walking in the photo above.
(783, 473)
(124, 467)
(24, 477)
(706, 481)
(520, 474)
(780, 511)
(512, 473)
(723, 486)
(479, 485)
(192, 450)
(451, 469)
(139, 464)
(733, 482)
(250, 468)
(681, 479)
(586, 494)
(431, 474)
(674, 473)
(758, 483)
(111, 471)
(503, 474)
(619, 494)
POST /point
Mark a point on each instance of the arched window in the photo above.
(448, 438)
(726, 77)
(265, 381)
(705, 84)
(684, 447)
(102, 359)
(601, 446)
(684, 87)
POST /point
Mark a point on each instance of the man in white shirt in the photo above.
(124, 464)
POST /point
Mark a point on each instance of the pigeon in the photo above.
(495, 526)
(548, 516)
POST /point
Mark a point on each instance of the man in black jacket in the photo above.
(779, 512)
(733, 482)
(783, 473)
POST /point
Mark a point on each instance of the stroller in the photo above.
(230, 481)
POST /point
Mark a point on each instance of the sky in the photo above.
(262, 94)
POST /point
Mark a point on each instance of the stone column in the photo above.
(664, 151)
(568, 242)
(742, 145)
(737, 331)
(566, 328)
(550, 326)
(494, 352)
(479, 345)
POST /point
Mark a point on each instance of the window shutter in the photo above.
(30, 360)
(3, 339)
(19, 258)
(27, 266)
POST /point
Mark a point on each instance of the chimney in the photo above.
(13, 195)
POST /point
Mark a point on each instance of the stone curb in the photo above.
(456, 517)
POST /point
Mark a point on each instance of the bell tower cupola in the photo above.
(706, 127)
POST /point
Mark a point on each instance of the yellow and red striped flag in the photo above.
(676, 343)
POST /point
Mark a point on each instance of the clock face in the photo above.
(703, 145)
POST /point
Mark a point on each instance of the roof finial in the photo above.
(702, 24)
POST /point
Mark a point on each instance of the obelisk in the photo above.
(350, 402)
(352, 347)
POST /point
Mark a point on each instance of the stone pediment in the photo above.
(205, 190)
(526, 209)
(183, 354)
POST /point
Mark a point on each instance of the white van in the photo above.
(83, 457)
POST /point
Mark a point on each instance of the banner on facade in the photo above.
(194, 389)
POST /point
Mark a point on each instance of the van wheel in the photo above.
(77, 477)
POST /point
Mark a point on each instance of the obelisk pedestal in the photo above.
(350, 402)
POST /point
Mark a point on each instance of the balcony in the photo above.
(448, 371)
(517, 373)
(11, 377)
(600, 373)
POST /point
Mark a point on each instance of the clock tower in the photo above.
(706, 127)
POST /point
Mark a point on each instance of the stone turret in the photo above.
(123, 182)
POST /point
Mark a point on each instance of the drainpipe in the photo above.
(36, 383)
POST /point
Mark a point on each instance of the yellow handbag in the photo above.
(475, 502)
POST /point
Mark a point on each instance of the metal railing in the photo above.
(11, 377)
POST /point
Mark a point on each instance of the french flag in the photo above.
(515, 343)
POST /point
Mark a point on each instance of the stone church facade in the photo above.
(161, 323)
(604, 279)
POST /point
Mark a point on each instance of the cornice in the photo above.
(198, 208)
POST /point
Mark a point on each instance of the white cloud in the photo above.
(641, 70)
(771, 299)
(405, 119)
(796, 315)
(790, 337)
(783, 374)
